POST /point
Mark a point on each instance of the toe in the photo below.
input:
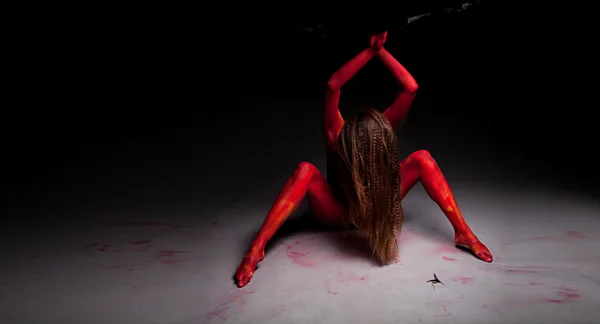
(484, 254)
(486, 257)
(242, 281)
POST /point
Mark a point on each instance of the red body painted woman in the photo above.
(365, 180)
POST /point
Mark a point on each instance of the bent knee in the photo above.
(305, 168)
(424, 158)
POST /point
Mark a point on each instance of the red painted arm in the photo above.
(333, 120)
(404, 100)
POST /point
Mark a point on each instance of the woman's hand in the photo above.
(376, 41)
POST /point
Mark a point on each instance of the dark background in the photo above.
(108, 96)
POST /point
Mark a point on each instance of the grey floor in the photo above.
(164, 250)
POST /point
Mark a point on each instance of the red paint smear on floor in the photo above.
(566, 295)
(562, 295)
(169, 253)
(141, 242)
(149, 224)
(223, 308)
(347, 279)
(329, 289)
(95, 247)
(575, 234)
(112, 266)
(351, 277)
(300, 258)
(524, 285)
(448, 258)
(172, 251)
(523, 269)
(464, 280)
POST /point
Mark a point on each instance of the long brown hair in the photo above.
(367, 146)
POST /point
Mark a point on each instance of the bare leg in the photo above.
(421, 166)
(308, 182)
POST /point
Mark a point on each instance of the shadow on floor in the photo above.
(349, 241)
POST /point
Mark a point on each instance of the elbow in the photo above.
(412, 87)
(333, 85)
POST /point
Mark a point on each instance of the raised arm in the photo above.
(401, 105)
(333, 120)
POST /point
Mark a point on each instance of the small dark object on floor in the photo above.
(434, 281)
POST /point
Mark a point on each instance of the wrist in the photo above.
(373, 52)
(381, 52)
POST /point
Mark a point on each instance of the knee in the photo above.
(305, 168)
(424, 158)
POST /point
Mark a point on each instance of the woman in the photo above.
(365, 182)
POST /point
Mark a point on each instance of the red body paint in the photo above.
(308, 182)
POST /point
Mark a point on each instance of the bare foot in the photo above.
(472, 243)
(245, 271)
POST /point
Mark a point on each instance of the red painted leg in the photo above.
(308, 182)
(421, 166)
